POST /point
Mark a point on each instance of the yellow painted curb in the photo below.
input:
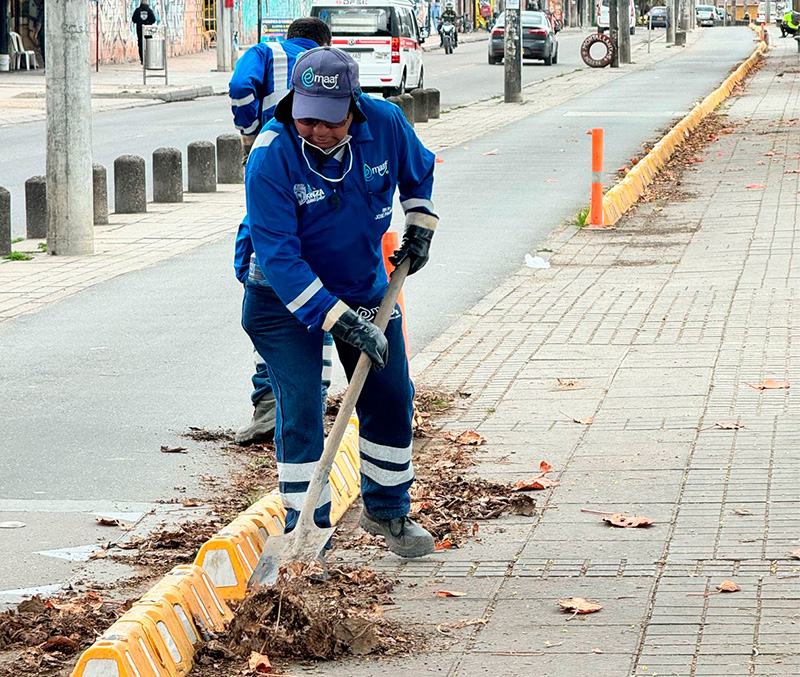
(158, 635)
(621, 197)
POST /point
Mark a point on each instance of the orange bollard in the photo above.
(389, 243)
(596, 208)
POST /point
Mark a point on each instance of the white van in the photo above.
(382, 36)
(601, 15)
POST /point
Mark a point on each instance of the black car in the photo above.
(538, 38)
(658, 17)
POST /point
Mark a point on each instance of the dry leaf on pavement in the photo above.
(568, 383)
(545, 467)
(468, 437)
(446, 544)
(494, 151)
(449, 593)
(536, 484)
(728, 425)
(259, 663)
(740, 511)
(755, 186)
(728, 586)
(579, 605)
(458, 625)
(582, 421)
(795, 553)
(621, 519)
(596, 650)
(172, 450)
(769, 384)
(60, 643)
(108, 522)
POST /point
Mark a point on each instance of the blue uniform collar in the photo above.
(360, 131)
(303, 42)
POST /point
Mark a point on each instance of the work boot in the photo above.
(403, 536)
(262, 427)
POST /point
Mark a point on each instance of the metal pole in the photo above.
(596, 204)
(613, 29)
(260, 18)
(672, 20)
(649, 29)
(223, 37)
(70, 218)
(97, 37)
(512, 59)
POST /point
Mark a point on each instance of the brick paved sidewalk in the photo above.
(131, 242)
(663, 321)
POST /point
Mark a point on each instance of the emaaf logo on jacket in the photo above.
(380, 170)
(305, 194)
(310, 78)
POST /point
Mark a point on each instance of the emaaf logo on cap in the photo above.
(310, 78)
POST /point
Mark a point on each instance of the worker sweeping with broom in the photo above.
(320, 182)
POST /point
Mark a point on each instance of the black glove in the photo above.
(361, 333)
(416, 246)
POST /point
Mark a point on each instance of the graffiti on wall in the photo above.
(118, 37)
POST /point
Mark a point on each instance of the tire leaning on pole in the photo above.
(586, 53)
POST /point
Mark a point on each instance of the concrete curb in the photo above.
(158, 635)
(627, 192)
(168, 96)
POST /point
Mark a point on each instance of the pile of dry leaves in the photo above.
(50, 632)
(302, 618)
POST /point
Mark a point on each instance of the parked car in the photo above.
(382, 36)
(720, 15)
(659, 17)
(538, 38)
(601, 13)
(706, 15)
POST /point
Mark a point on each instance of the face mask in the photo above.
(328, 151)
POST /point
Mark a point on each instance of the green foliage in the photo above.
(18, 256)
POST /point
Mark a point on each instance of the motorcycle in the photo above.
(448, 37)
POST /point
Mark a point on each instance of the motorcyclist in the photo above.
(790, 24)
(448, 17)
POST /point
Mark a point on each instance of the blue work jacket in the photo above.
(316, 240)
(262, 77)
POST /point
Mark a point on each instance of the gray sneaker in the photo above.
(403, 536)
(262, 427)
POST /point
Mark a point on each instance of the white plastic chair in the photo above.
(21, 53)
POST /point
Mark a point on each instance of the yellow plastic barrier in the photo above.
(190, 589)
(229, 558)
(177, 640)
(628, 191)
(126, 649)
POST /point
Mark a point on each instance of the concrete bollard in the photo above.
(36, 208)
(680, 38)
(130, 185)
(5, 222)
(167, 175)
(433, 99)
(395, 100)
(100, 194)
(407, 104)
(202, 167)
(420, 105)
(229, 159)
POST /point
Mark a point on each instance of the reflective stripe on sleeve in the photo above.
(248, 130)
(244, 101)
(412, 203)
(305, 296)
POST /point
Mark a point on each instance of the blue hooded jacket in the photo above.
(315, 240)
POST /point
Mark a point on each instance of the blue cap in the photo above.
(324, 82)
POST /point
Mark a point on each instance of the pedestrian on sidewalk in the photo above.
(143, 15)
(790, 24)
(261, 78)
(320, 185)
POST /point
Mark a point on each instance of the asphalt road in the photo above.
(462, 77)
(466, 76)
(90, 387)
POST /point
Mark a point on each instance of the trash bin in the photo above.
(154, 56)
